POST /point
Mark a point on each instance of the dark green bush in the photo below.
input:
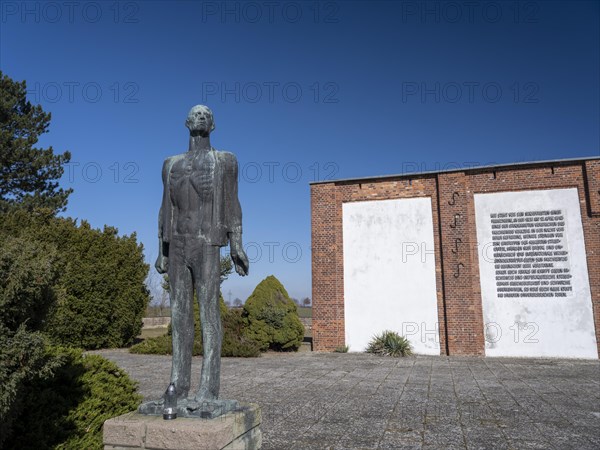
(389, 343)
(49, 397)
(67, 410)
(272, 318)
(100, 290)
(234, 342)
(160, 345)
(27, 272)
(23, 362)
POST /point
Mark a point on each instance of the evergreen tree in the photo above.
(27, 274)
(54, 397)
(28, 175)
(272, 317)
(100, 291)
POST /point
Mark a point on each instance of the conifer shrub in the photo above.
(67, 410)
(27, 274)
(235, 342)
(159, 345)
(24, 361)
(272, 317)
(100, 288)
(28, 271)
(50, 397)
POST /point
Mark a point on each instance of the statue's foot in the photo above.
(192, 407)
(201, 398)
(153, 407)
(209, 408)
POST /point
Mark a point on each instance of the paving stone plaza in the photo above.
(360, 401)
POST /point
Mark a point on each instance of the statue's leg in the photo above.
(182, 319)
(207, 285)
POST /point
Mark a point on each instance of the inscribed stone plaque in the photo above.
(534, 277)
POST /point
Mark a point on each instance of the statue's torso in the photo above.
(191, 189)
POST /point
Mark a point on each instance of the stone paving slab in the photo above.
(360, 401)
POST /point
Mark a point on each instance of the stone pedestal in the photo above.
(237, 430)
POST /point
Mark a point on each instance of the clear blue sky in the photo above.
(301, 91)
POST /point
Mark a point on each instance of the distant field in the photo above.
(304, 312)
(152, 332)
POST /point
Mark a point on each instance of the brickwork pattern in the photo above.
(456, 251)
(464, 323)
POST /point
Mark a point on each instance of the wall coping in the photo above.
(483, 168)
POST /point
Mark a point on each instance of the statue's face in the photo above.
(200, 119)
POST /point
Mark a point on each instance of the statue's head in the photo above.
(200, 120)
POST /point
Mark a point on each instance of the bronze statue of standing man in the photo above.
(200, 213)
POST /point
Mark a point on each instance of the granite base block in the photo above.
(237, 430)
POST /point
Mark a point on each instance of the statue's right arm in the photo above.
(162, 262)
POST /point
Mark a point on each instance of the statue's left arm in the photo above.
(162, 261)
(234, 215)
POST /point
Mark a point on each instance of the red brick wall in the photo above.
(592, 172)
(327, 285)
(456, 253)
(464, 323)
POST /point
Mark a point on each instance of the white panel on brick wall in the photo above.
(389, 272)
(534, 277)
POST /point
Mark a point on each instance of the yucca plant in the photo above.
(389, 343)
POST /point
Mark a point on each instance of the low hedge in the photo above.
(67, 410)
(235, 344)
